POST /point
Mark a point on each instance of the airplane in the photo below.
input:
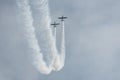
(54, 24)
(62, 18)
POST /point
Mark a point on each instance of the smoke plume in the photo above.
(35, 18)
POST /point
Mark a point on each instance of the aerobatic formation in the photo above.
(35, 18)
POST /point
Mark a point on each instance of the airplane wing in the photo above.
(59, 17)
(52, 24)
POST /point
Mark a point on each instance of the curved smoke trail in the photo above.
(44, 35)
(26, 15)
(59, 62)
(36, 20)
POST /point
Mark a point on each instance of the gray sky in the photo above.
(92, 41)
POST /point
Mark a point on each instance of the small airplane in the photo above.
(62, 18)
(54, 24)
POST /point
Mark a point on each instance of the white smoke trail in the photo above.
(25, 13)
(41, 32)
(59, 62)
(63, 44)
(55, 34)
(42, 23)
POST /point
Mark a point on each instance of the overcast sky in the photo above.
(92, 41)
